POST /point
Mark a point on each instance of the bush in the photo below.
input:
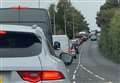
(110, 38)
(114, 33)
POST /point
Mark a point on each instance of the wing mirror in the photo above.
(56, 45)
(66, 58)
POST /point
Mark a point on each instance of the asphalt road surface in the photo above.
(92, 67)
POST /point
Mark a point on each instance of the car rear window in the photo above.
(19, 44)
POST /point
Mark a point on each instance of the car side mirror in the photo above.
(66, 58)
(57, 45)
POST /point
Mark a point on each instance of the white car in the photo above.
(25, 57)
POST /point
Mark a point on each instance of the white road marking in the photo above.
(75, 71)
(74, 81)
(95, 75)
(74, 76)
(68, 70)
(89, 78)
(108, 82)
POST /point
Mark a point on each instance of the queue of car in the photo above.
(26, 54)
(28, 51)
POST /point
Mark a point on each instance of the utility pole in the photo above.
(73, 27)
(65, 23)
(38, 3)
(54, 24)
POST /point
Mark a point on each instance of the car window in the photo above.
(19, 44)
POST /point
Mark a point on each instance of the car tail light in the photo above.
(2, 33)
(36, 76)
(19, 7)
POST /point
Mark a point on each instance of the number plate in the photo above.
(1, 79)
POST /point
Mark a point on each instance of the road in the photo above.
(92, 67)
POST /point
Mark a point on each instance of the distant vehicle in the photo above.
(83, 35)
(27, 58)
(84, 38)
(62, 43)
(93, 38)
(75, 45)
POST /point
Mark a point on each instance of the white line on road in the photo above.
(108, 82)
(76, 69)
(90, 72)
(74, 76)
(68, 70)
(74, 81)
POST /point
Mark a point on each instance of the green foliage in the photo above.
(104, 17)
(107, 12)
(65, 10)
(110, 4)
(108, 19)
(114, 33)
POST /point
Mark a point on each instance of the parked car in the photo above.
(25, 57)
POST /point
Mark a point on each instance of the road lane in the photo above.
(91, 67)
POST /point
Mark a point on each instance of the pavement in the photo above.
(92, 67)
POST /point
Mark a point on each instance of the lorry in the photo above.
(64, 45)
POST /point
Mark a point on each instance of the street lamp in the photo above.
(38, 3)
(54, 24)
(65, 23)
(73, 27)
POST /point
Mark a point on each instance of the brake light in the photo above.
(36, 76)
(19, 7)
(2, 33)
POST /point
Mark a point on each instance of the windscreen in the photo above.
(19, 44)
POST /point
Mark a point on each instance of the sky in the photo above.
(88, 8)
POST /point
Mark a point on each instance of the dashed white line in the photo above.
(89, 78)
(108, 82)
(68, 70)
(75, 71)
(74, 81)
(74, 76)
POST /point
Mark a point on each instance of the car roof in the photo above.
(16, 28)
(28, 15)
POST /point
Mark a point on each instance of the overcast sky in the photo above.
(88, 8)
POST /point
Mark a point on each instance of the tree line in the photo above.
(109, 20)
(66, 19)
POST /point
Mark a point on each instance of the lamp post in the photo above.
(38, 3)
(54, 24)
(73, 27)
(65, 23)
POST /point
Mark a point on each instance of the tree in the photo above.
(104, 18)
(110, 4)
(114, 34)
(68, 17)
